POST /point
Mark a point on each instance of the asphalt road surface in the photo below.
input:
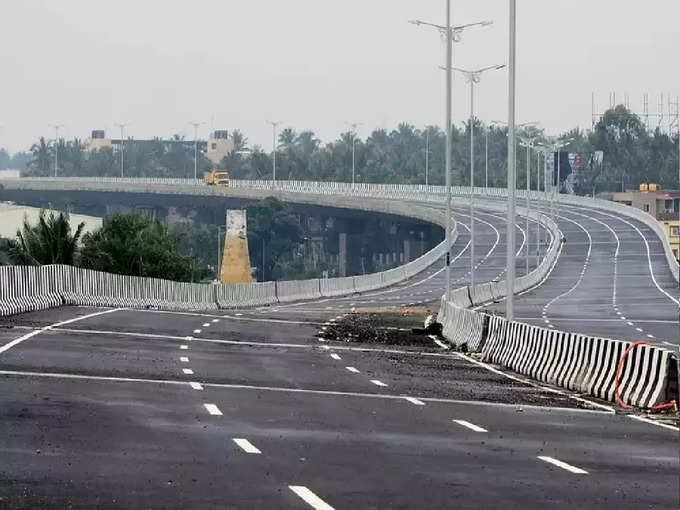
(111, 408)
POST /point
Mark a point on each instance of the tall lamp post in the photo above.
(353, 126)
(274, 125)
(56, 147)
(554, 200)
(196, 125)
(427, 155)
(510, 251)
(452, 34)
(529, 144)
(473, 77)
(122, 125)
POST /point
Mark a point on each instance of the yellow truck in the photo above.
(216, 178)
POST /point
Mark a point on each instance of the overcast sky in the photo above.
(315, 64)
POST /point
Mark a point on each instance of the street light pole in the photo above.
(486, 158)
(452, 34)
(196, 124)
(528, 143)
(274, 124)
(353, 126)
(56, 147)
(473, 77)
(122, 126)
(510, 252)
(427, 155)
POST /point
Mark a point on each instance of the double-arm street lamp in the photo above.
(451, 34)
(473, 77)
(528, 142)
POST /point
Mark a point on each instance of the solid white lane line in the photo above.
(213, 409)
(378, 383)
(352, 369)
(653, 422)
(310, 498)
(415, 401)
(197, 331)
(184, 359)
(184, 347)
(17, 341)
(563, 465)
(306, 391)
(196, 386)
(471, 426)
(335, 356)
(246, 445)
(188, 371)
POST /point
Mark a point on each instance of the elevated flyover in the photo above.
(249, 407)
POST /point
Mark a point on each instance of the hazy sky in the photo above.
(315, 64)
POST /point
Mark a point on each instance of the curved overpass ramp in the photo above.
(250, 408)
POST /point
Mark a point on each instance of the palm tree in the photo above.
(239, 140)
(48, 242)
(42, 157)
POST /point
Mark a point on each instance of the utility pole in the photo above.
(528, 143)
(196, 125)
(122, 126)
(510, 254)
(274, 125)
(56, 147)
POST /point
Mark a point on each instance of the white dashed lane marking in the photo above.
(310, 498)
(184, 347)
(563, 465)
(246, 446)
(352, 369)
(471, 426)
(216, 320)
(196, 386)
(213, 409)
(378, 383)
(197, 331)
(415, 401)
(335, 356)
(187, 371)
(184, 359)
(206, 325)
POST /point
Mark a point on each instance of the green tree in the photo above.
(139, 245)
(42, 160)
(50, 241)
(274, 228)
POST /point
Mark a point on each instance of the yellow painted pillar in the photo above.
(235, 258)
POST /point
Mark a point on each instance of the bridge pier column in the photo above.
(342, 254)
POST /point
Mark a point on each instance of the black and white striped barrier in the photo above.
(581, 363)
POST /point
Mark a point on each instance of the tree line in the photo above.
(631, 154)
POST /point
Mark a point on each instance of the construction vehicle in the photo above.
(216, 177)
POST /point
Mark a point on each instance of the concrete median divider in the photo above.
(368, 282)
(241, 295)
(337, 286)
(298, 290)
(26, 288)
